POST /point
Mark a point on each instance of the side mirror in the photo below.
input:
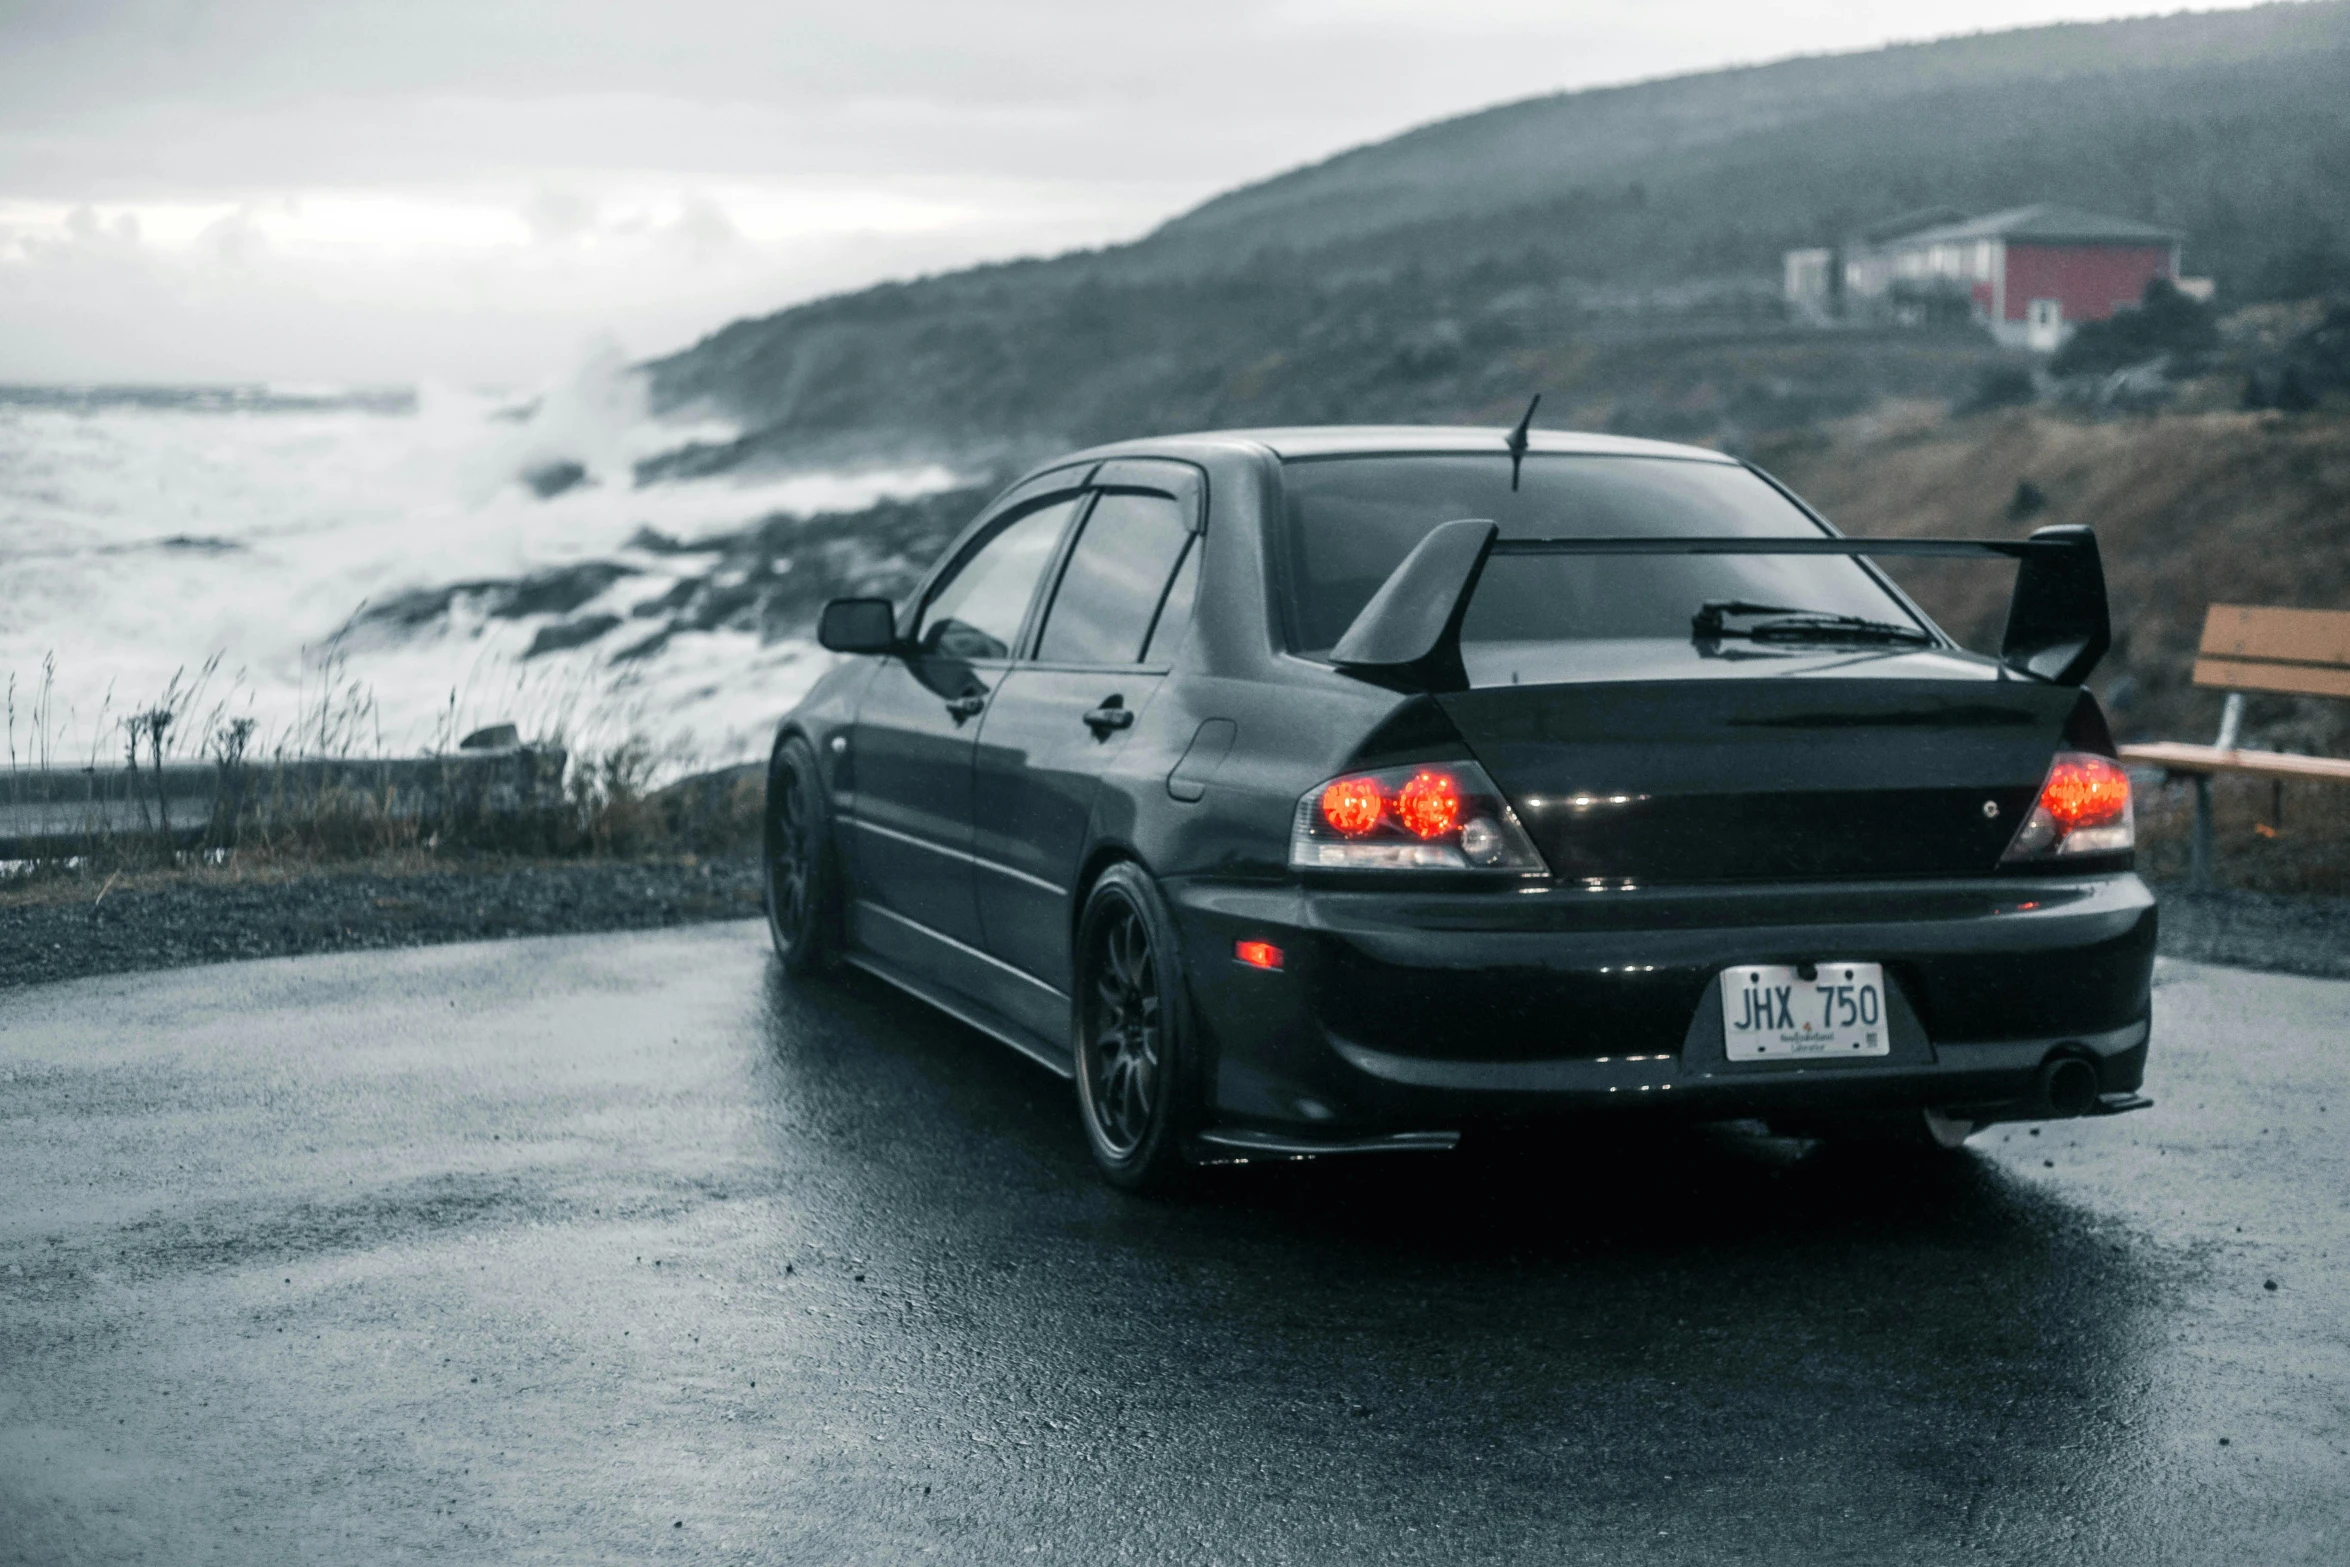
(858, 626)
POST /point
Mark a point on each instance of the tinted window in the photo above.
(1116, 575)
(977, 614)
(1349, 521)
(1175, 614)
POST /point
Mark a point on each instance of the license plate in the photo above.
(1773, 1013)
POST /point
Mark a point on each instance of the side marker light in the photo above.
(1257, 954)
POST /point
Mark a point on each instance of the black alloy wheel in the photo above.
(1123, 1065)
(802, 876)
(1135, 1088)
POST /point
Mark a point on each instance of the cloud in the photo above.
(344, 286)
(702, 230)
(84, 226)
(446, 185)
(235, 241)
(555, 216)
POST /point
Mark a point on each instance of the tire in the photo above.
(1136, 1054)
(801, 865)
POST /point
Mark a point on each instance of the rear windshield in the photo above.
(1350, 520)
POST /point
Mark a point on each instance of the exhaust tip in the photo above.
(2068, 1086)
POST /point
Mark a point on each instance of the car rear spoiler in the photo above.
(1409, 635)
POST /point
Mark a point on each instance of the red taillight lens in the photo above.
(2084, 808)
(2086, 791)
(1429, 804)
(1441, 816)
(1257, 954)
(1353, 805)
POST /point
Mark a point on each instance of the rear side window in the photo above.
(1116, 577)
(1349, 521)
(977, 612)
(1175, 615)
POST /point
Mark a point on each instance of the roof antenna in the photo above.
(1517, 441)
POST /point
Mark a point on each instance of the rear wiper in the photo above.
(1796, 625)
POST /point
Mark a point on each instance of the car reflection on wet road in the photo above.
(619, 1248)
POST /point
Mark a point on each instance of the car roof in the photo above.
(1338, 440)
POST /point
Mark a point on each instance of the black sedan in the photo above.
(1331, 790)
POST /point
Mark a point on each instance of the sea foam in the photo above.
(145, 531)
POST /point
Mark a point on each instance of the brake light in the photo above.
(2086, 792)
(2083, 808)
(1439, 817)
(1353, 805)
(1430, 804)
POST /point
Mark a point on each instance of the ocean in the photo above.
(220, 549)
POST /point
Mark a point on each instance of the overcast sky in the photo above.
(481, 190)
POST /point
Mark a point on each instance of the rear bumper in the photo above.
(1404, 1012)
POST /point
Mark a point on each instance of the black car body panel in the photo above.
(1697, 809)
(1790, 778)
(1391, 1011)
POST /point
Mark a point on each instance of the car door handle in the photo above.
(1108, 718)
(970, 706)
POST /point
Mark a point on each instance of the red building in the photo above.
(2031, 274)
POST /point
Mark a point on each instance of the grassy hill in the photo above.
(1618, 248)
(1963, 120)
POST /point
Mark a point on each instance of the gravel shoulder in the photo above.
(212, 921)
(2280, 933)
(175, 924)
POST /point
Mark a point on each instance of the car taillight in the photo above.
(1429, 804)
(1352, 806)
(1444, 816)
(2084, 808)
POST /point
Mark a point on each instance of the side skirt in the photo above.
(889, 946)
(1232, 1145)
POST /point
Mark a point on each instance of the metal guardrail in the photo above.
(49, 811)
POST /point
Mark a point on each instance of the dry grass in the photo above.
(305, 798)
(2266, 839)
(610, 809)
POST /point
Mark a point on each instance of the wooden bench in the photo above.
(2293, 652)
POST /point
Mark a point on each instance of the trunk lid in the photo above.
(1776, 776)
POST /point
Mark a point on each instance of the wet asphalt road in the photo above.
(616, 1248)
